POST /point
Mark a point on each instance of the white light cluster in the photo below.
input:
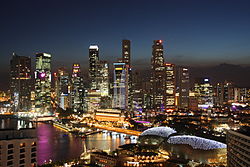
(196, 142)
(159, 131)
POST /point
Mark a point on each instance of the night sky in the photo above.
(195, 33)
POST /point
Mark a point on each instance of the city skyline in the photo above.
(194, 33)
(125, 83)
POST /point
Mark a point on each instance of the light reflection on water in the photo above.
(57, 145)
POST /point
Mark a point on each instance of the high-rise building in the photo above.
(241, 95)
(158, 76)
(20, 82)
(204, 92)
(182, 87)
(238, 144)
(77, 89)
(138, 94)
(126, 58)
(126, 52)
(120, 87)
(170, 86)
(224, 93)
(43, 83)
(93, 63)
(62, 89)
(103, 78)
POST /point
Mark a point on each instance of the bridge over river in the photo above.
(119, 130)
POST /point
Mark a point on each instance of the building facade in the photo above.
(18, 148)
(77, 88)
(158, 76)
(170, 86)
(43, 83)
(93, 64)
(204, 92)
(182, 87)
(20, 82)
(126, 57)
(103, 78)
(120, 86)
(63, 89)
(238, 147)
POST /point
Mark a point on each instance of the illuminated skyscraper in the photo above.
(204, 92)
(62, 88)
(120, 87)
(126, 58)
(20, 82)
(224, 93)
(103, 78)
(126, 52)
(43, 83)
(93, 63)
(182, 87)
(158, 76)
(170, 86)
(77, 93)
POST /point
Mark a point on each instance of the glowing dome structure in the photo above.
(196, 142)
(159, 131)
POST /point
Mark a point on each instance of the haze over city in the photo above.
(195, 33)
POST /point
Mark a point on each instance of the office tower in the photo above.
(158, 76)
(62, 88)
(241, 95)
(126, 58)
(126, 52)
(77, 90)
(170, 86)
(120, 87)
(103, 78)
(204, 92)
(93, 63)
(20, 82)
(224, 93)
(138, 94)
(43, 83)
(93, 100)
(182, 87)
(18, 147)
(238, 144)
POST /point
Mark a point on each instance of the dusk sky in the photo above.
(194, 32)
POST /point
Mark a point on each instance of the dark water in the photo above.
(55, 144)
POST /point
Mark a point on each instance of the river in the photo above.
(56, 145)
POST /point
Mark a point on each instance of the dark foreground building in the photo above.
(238, 147)
(18, 148)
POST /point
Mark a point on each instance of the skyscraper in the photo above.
(77, 91)
(204, 92)
(20, 82)
(93, 61)
(170, 86)
(103, 78)
(126, 58)
(62, 88)
(120, 97)
(43, 83)
(158, 76)
(182, 87)
(126, 51)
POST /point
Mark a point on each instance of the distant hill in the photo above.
(238, 74)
